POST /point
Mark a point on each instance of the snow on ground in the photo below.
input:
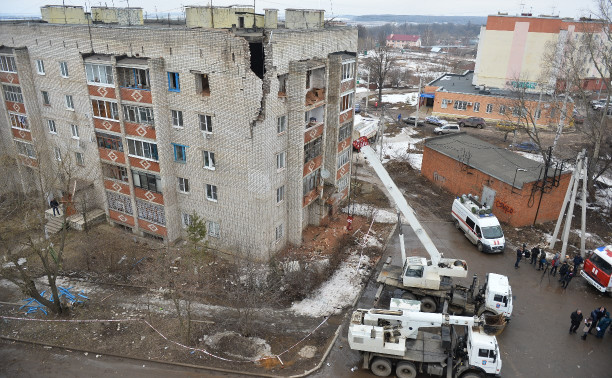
(361, 90)
(338, 292)
(368, 211)
(529, 155)
(410, 98)
(396, 148)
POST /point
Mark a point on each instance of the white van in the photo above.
(480, 226)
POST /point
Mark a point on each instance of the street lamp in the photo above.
(514, 179)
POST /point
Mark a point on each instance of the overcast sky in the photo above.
(564, 8)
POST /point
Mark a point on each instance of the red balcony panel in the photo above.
(144, 164)
(344, 193)
(22, 134)
(344, 144)
(147, 195)
(312, 165)
(312, 133)
(152, 227)
(112, 155)
(105, 124)
(117, 186)
(28, 161)
(136, 95)
(9, 78)
(120, 217)
(343, 170)
(107, 92)
(346, 116)
(15, 107)
(311, 196)
(347, 85)
(144, 131)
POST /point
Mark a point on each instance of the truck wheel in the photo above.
(405, 370)
(457, 226)
(381, 367)
(471, 375)
(428, 305)
(408, 295)
(479, 246)
(461, 124)
(479, 126)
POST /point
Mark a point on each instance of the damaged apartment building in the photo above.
(239, 117)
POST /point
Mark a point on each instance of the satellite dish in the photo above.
(325, 173)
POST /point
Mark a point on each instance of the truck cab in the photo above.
(598, 269)
(483, 351)
(497, 295)
(478, 224)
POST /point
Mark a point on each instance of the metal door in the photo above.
(488, 196)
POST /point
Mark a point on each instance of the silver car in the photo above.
(446, 129)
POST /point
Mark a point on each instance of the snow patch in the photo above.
(369, 211)
(410, 98)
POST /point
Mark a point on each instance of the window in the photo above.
(80, 160)
(519, 111)
(25, 149)
(40, 67)
(209, 159)
(177, 118)
(99, 74)
(281, 125)
(19, 121)
(150, 212)
(52, 128)
(7, 64)
(147, 181)
(119, 202)
(45, 97)
(445, 103)
(183, 185)
(110, 142)
(202, 85)
(75, 131)
(213, 229)
(343, 182)
(281, 160)
(310, 182)
(58, 154)
(205, 123)
(142, 149)
(279, 232)
(105, 109)
(114, 172)
(12, 93)
(186, 220)
(282, 84)
(133, 78)
(477, 107)
(280, 194)
(460, 105)
(180, 153)
(211, 192)
(173, 82)
(63, 69)
(344, 157)
(489, 108)
(470, 223)
(344, 132)
(346, 102)
(348, 69)
(138, 114)
(502, 109)
(312, 149)
(538, 113)
(69, 102)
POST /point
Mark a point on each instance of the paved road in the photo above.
(536, 342)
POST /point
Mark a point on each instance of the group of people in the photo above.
(537, 257)
(599, 320)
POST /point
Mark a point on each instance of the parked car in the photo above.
(472, 122)
(357, 108)
(410, 121)
(446, 129)
(577, 117)
(435, 121)
(527, 146)
(598, 104)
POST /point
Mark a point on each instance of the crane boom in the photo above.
(400, 202)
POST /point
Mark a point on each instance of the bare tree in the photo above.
(380, 63)
(394, 77)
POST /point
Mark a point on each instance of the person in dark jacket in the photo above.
(535, 252)
(596, 315)
(587, 326)
(564, 269)
(577, 261)
(576, 318)
(542, 260)
(603, 325)
(567, 278)
(519, 254)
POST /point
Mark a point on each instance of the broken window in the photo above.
(346, 102)
(7, 64)
(257, 59)
(174, 84)
(12, 93)
(310, 182)
(202, 84)
(110, 142)
(119, 202)
(136, 78)
(147, 181)
(99, 74)
(282, 85)
(105, 109)
(114, 172)
(150, 212)
(312, 149)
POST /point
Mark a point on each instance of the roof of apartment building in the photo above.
(403, 37)
(462, 83)
(494, 161)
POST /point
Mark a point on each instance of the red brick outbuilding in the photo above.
(508, 182)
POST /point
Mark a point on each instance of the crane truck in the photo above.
(449, 346)
(430, 281)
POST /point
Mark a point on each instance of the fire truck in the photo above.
(598, 269)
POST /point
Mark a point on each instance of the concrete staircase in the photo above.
(76, 221)
(54, 224)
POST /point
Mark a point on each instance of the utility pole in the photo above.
(544, 180)
(368, 92)
(381, 129)
(418, 102)
(570, 210)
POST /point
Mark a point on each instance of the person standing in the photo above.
(519, 254)
(535, 252)
(577, 261)
(596, 315)
(566, 280)
(542, 260)
(554, 265)
(564, 269)
(587, 326)
(55, 206)
(603, 325)
(576, 319)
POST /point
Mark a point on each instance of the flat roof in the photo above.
(497, 162)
